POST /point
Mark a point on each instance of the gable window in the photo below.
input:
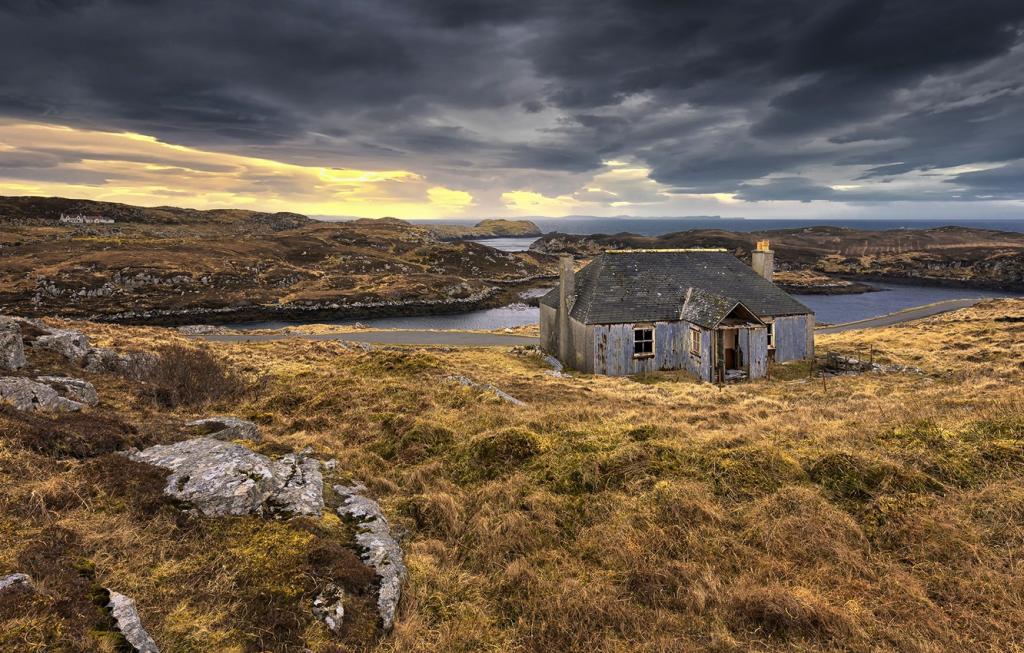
(695, 341)
(770, 326)
(643, 342)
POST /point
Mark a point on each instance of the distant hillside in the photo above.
(170, 265)
(961, 256)
(43, 211)
(493, 228)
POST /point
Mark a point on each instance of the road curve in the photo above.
(906, 315)
(451, 338)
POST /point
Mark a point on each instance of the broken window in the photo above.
(643, 342)
(695, 341)
(771, 335)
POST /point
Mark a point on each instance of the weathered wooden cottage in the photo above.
(635, 311)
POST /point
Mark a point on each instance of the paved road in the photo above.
(905, 315)
(457, 338)
(454, 338)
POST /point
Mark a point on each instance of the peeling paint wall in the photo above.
(753, 345)
(792, 341)
(549, 330)
(612, 351)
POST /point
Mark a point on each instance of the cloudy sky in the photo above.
(449, 108)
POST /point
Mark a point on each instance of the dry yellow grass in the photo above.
(868, 513)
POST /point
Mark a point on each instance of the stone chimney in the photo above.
(566, 297)
(762, 260)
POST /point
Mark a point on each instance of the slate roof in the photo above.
(649, 286)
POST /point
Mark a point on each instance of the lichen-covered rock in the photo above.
(15, 581)
(28, 395)
(301, 491)
(74, 389)
(132, 364)
(501, 394)
(12, 348)
(200, 329)
(126, 615)
(72, 345)
(224, 427)
(329, 606)
(221, 478)
(378, 548)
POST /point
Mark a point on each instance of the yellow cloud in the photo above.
(529, 202)
(140, 169)
(449, 198)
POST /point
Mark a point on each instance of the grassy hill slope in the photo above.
(863, 513)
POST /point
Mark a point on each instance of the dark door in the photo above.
(729, 346)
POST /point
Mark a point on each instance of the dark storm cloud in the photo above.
(712, 95)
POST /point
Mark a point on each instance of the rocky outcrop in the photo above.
(72, 345)
(504, 396)
(220, 478)
(329, 607)
(200, 329)
(224, 427)
(12, 349)
(126, 616)
(378, 548)
(74, 389)
(15, 582)
(131, 364)
(28, 395)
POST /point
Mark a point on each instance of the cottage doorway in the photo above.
(729, 347)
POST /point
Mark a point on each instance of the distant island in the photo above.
(492, 228)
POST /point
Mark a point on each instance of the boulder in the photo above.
(125, 614)
(28, 395)
(12, 349)
(74, 389)
(132, 364)
(72, 345)
(15, 582)
(329, 606)
(378, 548)
(224, 427)
(221, 478)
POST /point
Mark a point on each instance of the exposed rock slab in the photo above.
(224, 427)
(12, 348)
(15, 581)
(129, 623)
(221, 478)
(72, 345)
(132, 364)
(74, 389)
(466, 381)
(329, 606)
(28, 395)
(378, 548)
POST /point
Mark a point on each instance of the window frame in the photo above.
(644, 341)
(770, 333)
(696, 345)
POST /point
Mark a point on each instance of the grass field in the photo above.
(863, 513)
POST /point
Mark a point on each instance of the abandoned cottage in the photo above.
(705, 311)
